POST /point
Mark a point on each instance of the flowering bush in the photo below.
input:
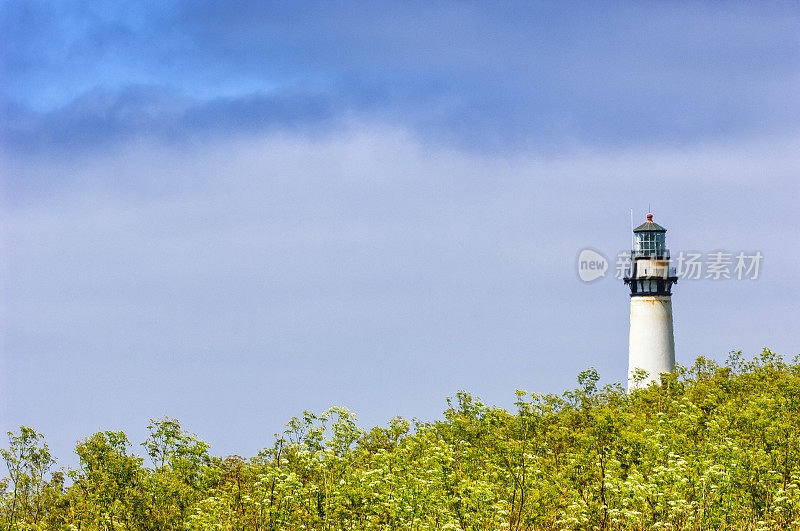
(712, 446)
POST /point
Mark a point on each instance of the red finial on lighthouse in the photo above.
(649, 217)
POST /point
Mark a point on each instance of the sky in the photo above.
(232, 212)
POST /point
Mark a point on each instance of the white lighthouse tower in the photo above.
(651, 344)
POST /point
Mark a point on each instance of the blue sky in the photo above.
(230, 212)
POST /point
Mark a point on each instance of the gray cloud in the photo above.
(502, 77)
(100, 119)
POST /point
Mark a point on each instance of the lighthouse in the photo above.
(651, 345)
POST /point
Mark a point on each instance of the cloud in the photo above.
(500, 77)
(100, 119)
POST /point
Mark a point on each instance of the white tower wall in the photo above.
(651, 342)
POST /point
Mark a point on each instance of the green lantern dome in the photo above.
(649, 226)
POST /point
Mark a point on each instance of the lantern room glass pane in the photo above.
(650, 243)
(659, 241)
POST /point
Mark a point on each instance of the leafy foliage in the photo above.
(712, 446)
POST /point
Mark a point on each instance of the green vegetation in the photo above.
(713, 447)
